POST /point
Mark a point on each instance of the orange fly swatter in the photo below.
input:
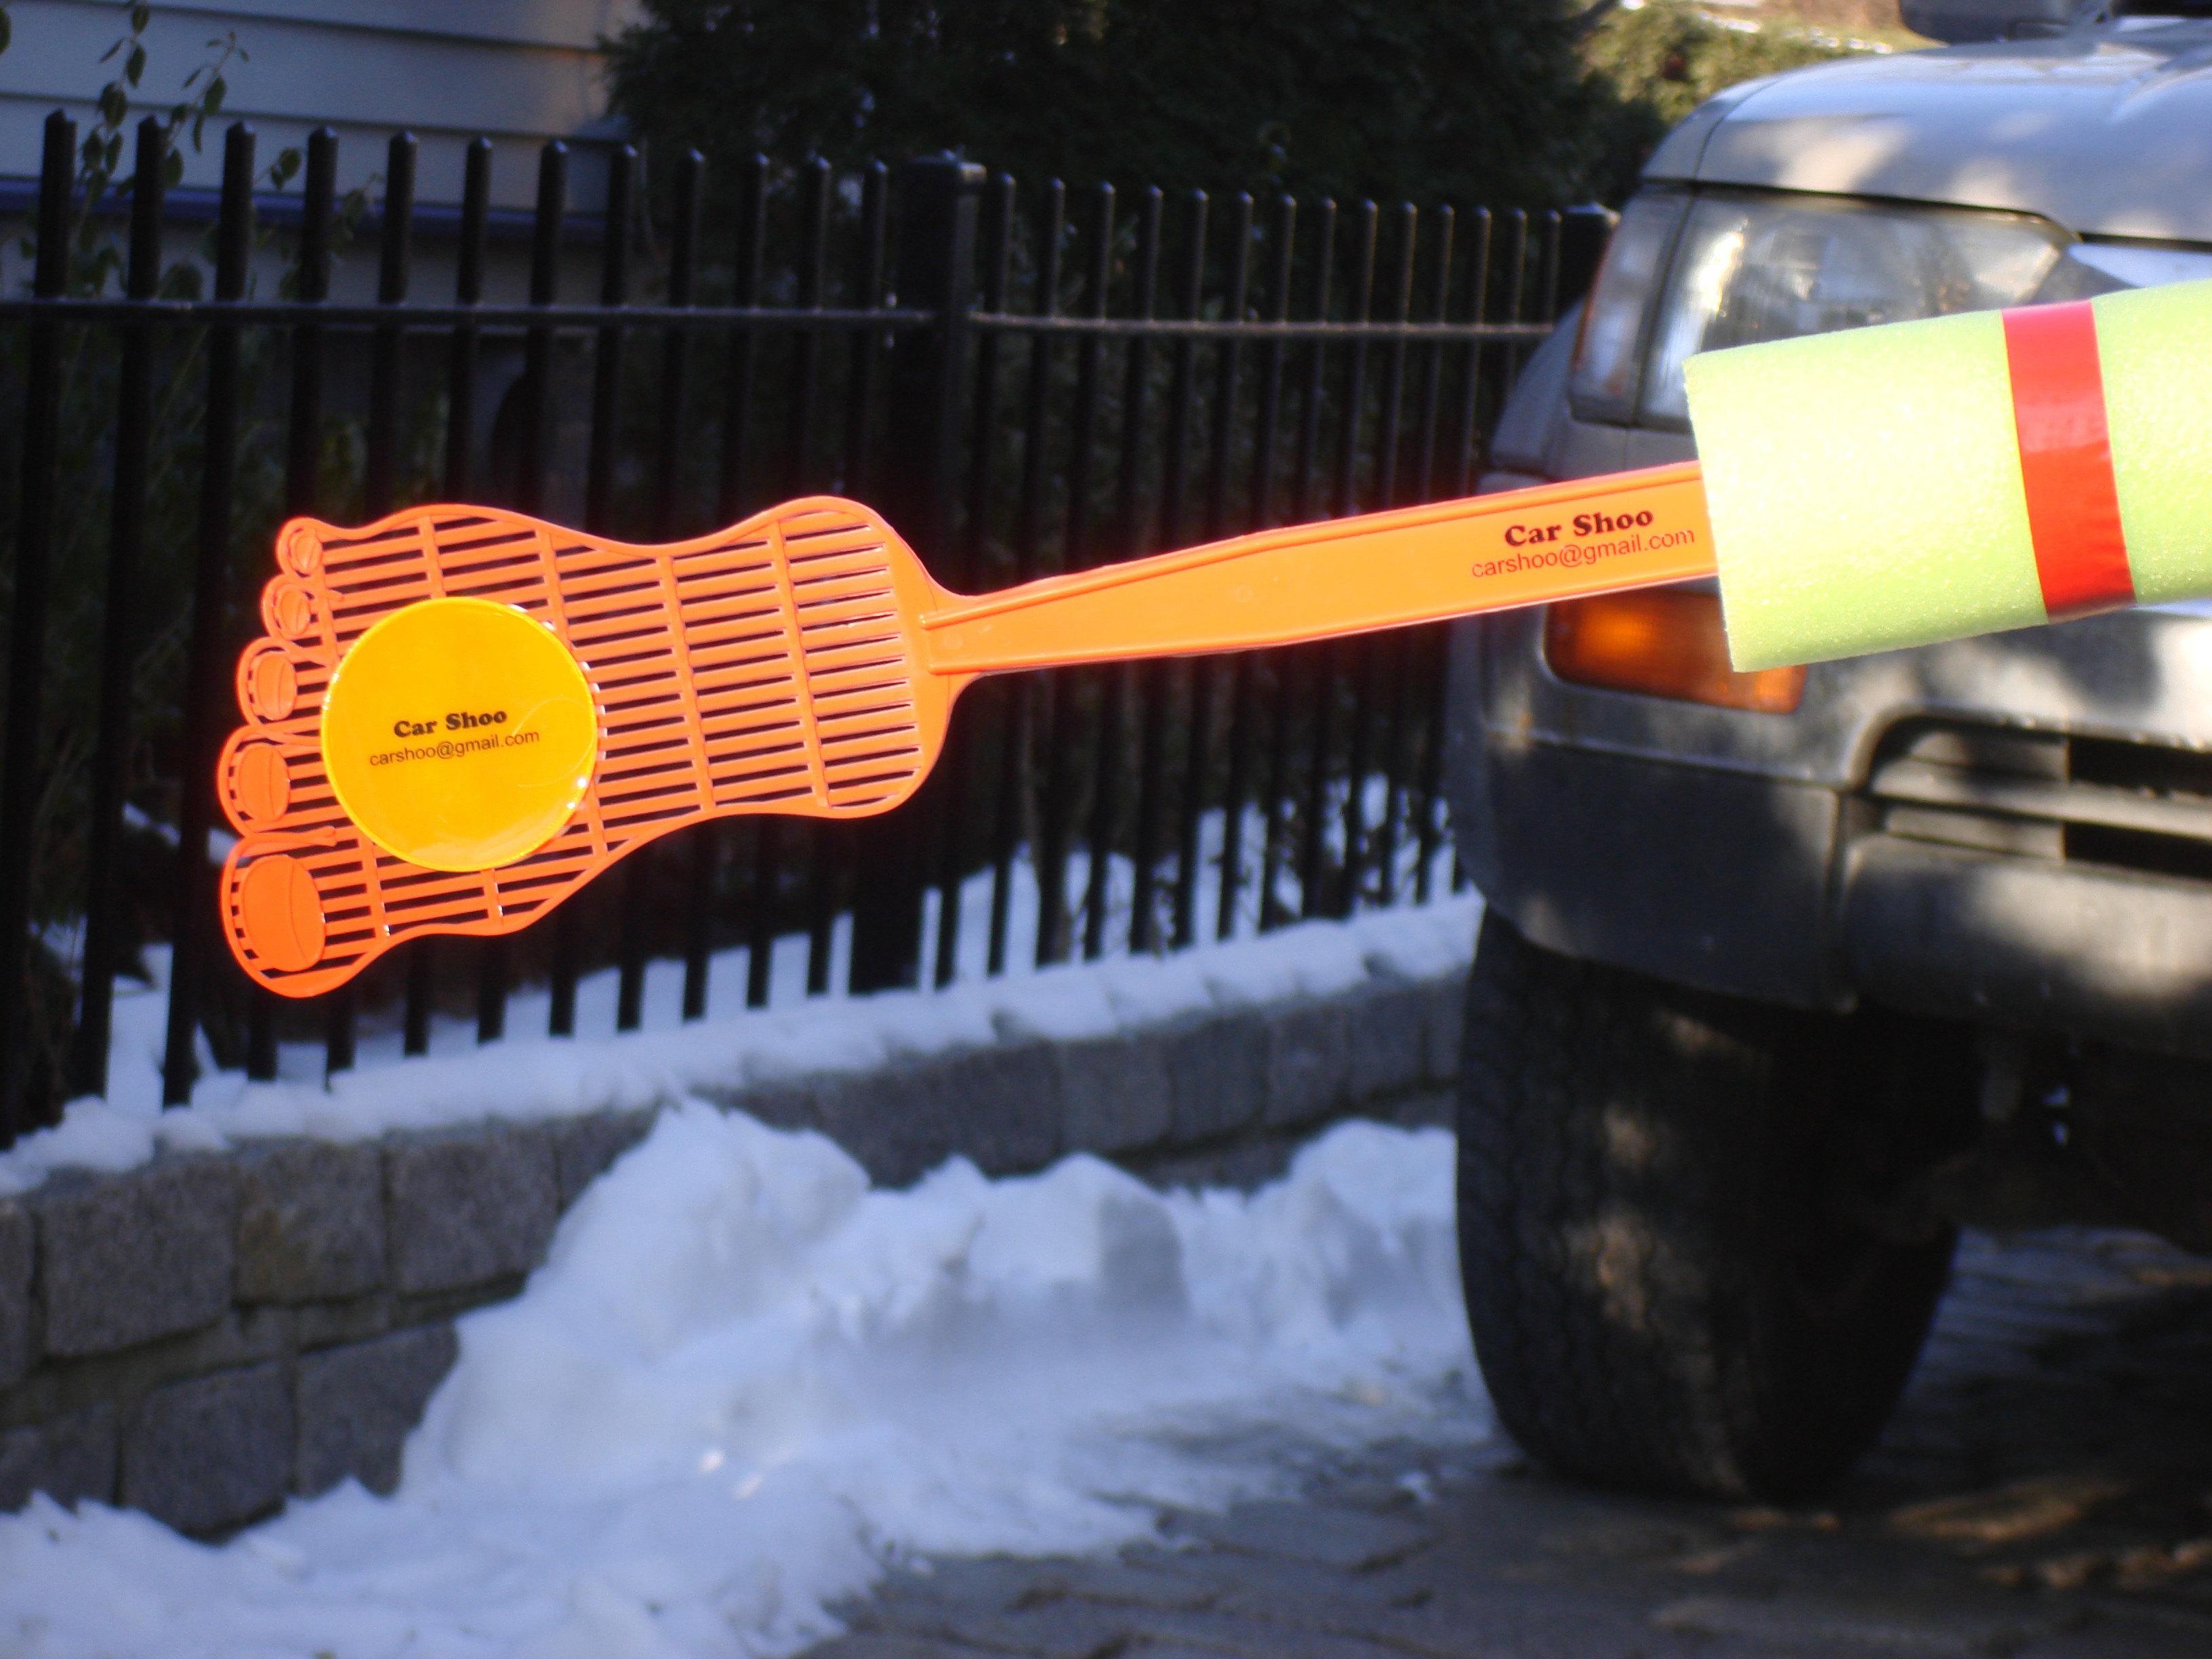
(459, 715)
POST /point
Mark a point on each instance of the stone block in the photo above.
(1309, 1060)
(16, 1232)
(241, 1337)
(1389, 1038)
(310, 1221)
(68, 1458)
(356, 1405)
(326, 1324)
(584, 1148)
(124, 1258)
(873, 1116)
(1217, 1074)
(1445, 1018)
(1005, 1099)
(210, 1451)
(998, 1106)
(1112, 1092)
(786, 1103)
(466, 1206)
(1248, 1162)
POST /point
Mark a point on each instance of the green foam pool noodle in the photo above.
(1867, 489)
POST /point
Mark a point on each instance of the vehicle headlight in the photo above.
(1750, 267)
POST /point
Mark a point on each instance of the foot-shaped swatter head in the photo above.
(460, 715)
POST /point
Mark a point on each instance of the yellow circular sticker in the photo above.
(460, 734)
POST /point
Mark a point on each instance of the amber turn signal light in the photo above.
(1664, 643)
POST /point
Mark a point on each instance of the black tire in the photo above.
(1686, 1266)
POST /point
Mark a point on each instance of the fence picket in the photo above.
(206, 675)
(126, 546)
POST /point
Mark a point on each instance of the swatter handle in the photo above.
(1344, 576)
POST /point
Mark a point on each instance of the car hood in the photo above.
(2107, 131)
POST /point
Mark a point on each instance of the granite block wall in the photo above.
(204, 1336)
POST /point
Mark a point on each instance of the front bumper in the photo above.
(2030, 944)
(2016, 829)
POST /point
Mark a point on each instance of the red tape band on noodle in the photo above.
(2066, 460)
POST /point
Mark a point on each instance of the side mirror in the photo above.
(1957, 21)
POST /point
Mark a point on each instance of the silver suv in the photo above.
(1783, 979)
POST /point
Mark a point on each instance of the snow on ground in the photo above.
(743, 1383)
(530, 1075)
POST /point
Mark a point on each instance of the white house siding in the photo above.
(516, 71)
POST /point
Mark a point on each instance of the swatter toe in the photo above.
(270, 767)
(275, 913)
(281, 912)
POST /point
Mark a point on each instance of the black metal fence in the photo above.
(1023, 383)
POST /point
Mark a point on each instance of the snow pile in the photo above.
(539, 1077)
(744, 1382)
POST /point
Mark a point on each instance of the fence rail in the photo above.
(1019, 393)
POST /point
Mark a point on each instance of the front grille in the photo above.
(2104, 801)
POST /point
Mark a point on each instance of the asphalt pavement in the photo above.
(2044, 1493)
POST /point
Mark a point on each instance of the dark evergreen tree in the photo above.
(1423, 99)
